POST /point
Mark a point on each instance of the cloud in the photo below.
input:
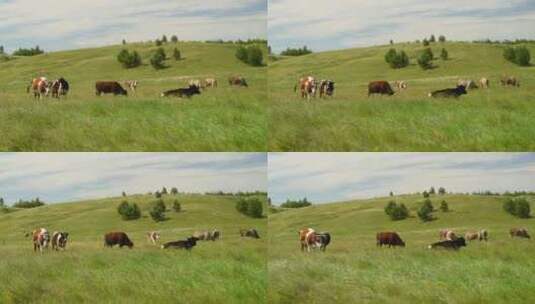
(57, 25)
(57, 177)
(325, 177)
(350, 23)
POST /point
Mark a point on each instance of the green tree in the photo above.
(444, 206)
(432, 190)
(425, 211)
(425, 194)
(176, 206)
(255, 56)
(441, 190)
(176, 54)
(444, 54)
(157, 194)
(174, 191)
(129, 59)
(442, 38)
(164, 39)
(129, 211)
(158, 42)
(432, 38)
(425, 42)
(174, 39)
(164, 190)
(425, 60)
(157, 59)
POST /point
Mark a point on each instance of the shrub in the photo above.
(174, 191)
(241, 53)
(176, 54)
(129, 211)
(251, 207)
(164, 190)
(29, 204)
(129, 59)
(444, 54)
(425, 194)
(157, 212)
(441, 190)
(397, 60)
(176, 206)
(296, 204)
(425, 42)
(124, 42)
(251, 55)
(425, 212)
(174, 39)
(2, 204)
(518, 55)
(296, 52)
(157, 59)
(442, 38)
(432, 190)
(444, 206)
(396, 212)
(28, 52)
(164, 39)
(2, 49)
(432, 38)
(518, 207)
(425, 59)
(157, 194)
(158, 42)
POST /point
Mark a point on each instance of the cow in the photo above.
(196, 82)
(400, 85)
(322, 240)
(131, 84)
(39, 86)
(210, 83)
(519, 232)
(41, 239)
(117, 238)
(59, 87)
(326, 88)
(448, 93)
(483, 235)
(182, 244)
(109, 87)
(471, 236)
(153, 237)
(380, 87)
(187, 92)
(59, 240)
(449, 244)
(467, 83)
(447, 234)
(510, 81)
(390, 239)
(237, 81)
(207, 235)
(307, 87)
(484, 83)
(252, 233)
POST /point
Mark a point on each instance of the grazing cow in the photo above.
(207, 235)
(326, 88)
(483, 235)
(59, 87)
(214, 235)
(210, 83)
(252, 233)
(307, 87)
(322, 240)
(109, 87)
(131, 84)
(484, 83)
(183, 244)
(447, 234)
(390, 239)
(471, 236)
(510, 81)
(308, 239)
(187, 92)
(400, 85)
(519, 232)
(153, 237)
(380, 87)
(59, 240)
(449, 244)
(447, 93)
(237, 81)
(39, 86)
(117, 238)
(41, 239)
(467, 83)
(196, 82)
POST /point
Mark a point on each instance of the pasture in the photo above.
(230, 270)
(497, 119)
(354, 270)
(222, 119)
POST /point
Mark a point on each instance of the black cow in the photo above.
(59, 87)
(326, 88)
(323, 239)
(109, 87)
(448, 93)
(187, 244)
(449, 244)
(188, 92)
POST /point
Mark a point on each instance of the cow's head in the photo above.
(194, 89)
(461, 89)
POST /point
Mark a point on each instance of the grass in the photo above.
(497, 119)
(222, 119)
(354, 270)
(231, 270)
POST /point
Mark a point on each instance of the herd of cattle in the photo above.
(309, 239)
(309, 87)
(41, 239)
(42, 87)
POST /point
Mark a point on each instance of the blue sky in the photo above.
(339, 24)
(60, 177)
(58, 25)
(329, 177)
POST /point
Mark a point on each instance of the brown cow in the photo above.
(109, 87)
(252, 233)
(307, 87)
(471, 236)
(519, 232)
(39, 86)
(484, 83)
(307, 239)
(390, 239)
(117, 238)
(237, 81)
(210, 83)
(447, 234)
(510, 81)
(41, 239)
(380, 87)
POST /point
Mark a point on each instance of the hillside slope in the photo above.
(220, 119)
(233, 268)
(354, 270)
(497, 119)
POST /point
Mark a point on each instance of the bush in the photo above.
(432, 38)
(251, 207)
(251, 55)
(397, 60)
(157, 59)
(129, 211)
(28, 52)
(442, 38)
(396, 212)
(241, 53)
(425, 60)
(164, 39)
(174, 39)
(129, 59)
(157, 212)
(444, 54)
(29, 204)
(441, 190)
(176, 206)
(425, 212)
(164, 190)
(432, 190)
(2, 49)
(296, 204)
(296, 52)
(176, 54)
(425, 42)
(2, 204)
(444, 206)
(157, 194)
(158, 42)
(518, 207)
(174, 191)
(425, 194)
(518, 55)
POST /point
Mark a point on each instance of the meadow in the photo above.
(354, 270)
(222, 119)
(230, 270)
(497, 119)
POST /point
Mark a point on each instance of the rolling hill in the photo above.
(354, 270)
(221, 119)
(497, 119)
(232, 269)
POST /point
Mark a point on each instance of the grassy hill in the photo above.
(231, 270)
(222, 119)
(354, 270)
(497, 119)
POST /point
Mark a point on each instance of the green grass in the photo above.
(231, 270)
(354, 270)
(222, 119)
(498, 119)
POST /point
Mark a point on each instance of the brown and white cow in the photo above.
(207, 235)
(59, 87)
(447, 234)
(237, 81)
(307, 87)
(400, 85)
(153, 237)
(510, 81)
(468, 84)
(39, 86)
(131, 84)
(41, 239)
(519, 232)
(484, 83)
(59, 240)
(210, 83)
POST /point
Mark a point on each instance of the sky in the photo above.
(63, 177)
(340, 24)
(73, 24)
(331, 177)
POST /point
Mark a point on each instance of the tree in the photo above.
(174, 39)
(129, 211)
(176, 206)
(442, 38)
(2, 204)
(425, 59)
(157, 212)
(441, 190)
(129, 59)
(396, 212)
(518, 55)
(158, 42)
(391, 42)
(124, 42)
(425, 42)
(2, 49)
(157, 194)
(174, 191)
(176, 54)
(444, 206)
(251, 207)
(164, 39)
(425, 212)
(518, 207)
(425, 194)
(241, 53)
(28, 52)
(157, 59)
(432, 190)
(255, 56)
(396, 60)
(164, 190)
(391, 193)
(296, 52)
(444, 54)
(124, 194)
(432, 38)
